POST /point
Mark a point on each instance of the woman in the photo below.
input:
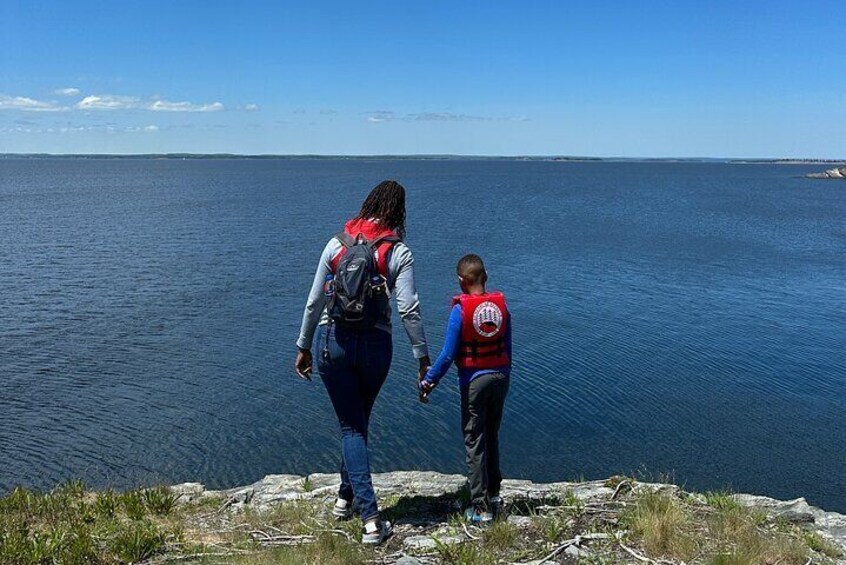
(354, 361)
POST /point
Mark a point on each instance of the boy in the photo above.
(478, 339)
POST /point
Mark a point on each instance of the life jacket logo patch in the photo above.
(487, 319)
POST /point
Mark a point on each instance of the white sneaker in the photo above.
(376, 531)
(342, 509)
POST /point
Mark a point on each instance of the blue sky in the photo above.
(633, 79)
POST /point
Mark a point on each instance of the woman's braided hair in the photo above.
(386, 203)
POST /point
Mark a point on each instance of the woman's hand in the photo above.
(425, 365)
(303, 363)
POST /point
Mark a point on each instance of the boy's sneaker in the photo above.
(376, 531)
(478, 517)
(343, 509)
(496, 506)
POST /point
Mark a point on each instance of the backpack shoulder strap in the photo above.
(384, 239)
(345, 239)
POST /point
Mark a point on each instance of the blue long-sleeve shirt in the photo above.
(450, 348)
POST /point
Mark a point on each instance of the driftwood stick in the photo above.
(620, 486)
(636, 555)
(574, 541)
(577, 541)
(192, 556)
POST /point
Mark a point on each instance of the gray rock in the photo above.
(835, 173)
(187, 492)
(830, 525)
(408, 561)
(574, 551)
(274, 489)
(519, 521)
(795, 511)
(428, 542)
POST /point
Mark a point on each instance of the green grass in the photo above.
(69, 526)
(721, 500)
(816, 542)
(661, 524)
(327, 549)
(308, 486)
(500, 537)
(159, 500)
(727, 534)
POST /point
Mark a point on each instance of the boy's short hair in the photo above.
(471, 268)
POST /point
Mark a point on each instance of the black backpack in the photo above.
(359, 292)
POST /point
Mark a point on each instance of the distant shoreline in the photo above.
(548, 158)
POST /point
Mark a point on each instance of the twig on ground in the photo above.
(466, 531)
(192, 556)
(229, 502)
(339, 532)
(574, 541)
(620, 486)
(577, 541)
(268, 540)
(636, 555)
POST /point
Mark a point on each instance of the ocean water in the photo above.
(669, 318)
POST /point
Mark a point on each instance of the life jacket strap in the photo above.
(471, 348)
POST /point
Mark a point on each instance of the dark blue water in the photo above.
(679, 318)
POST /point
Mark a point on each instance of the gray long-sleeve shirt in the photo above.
(400, 284)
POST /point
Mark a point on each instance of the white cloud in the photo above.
(67, 91)
(251, 107)
(165, 106)
(445, 117)
(151, 128)
(27, 104)
(112, 102)
(108, 102)
(387, 115)
(381, 116)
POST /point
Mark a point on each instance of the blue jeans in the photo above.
(354, 366)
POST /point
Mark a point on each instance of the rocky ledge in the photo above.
(835, 173)
(593, 517)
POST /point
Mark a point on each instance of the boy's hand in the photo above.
(425, 388)
(303, 364)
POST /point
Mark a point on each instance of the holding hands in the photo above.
(424, 387)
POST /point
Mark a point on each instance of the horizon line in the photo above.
(420, 156)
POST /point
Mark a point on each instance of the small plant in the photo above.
(722, 500)
(72, 489)
(133, 504)
(106, 503)
(456, 521)
(822, 545)
(137, 542)
(159, 500)
(308, 486)
(553, 526)
(462, 553)
(500, 536)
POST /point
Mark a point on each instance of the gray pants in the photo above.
(481, 413)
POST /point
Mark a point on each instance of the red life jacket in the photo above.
(484, 320)
(370, 230)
